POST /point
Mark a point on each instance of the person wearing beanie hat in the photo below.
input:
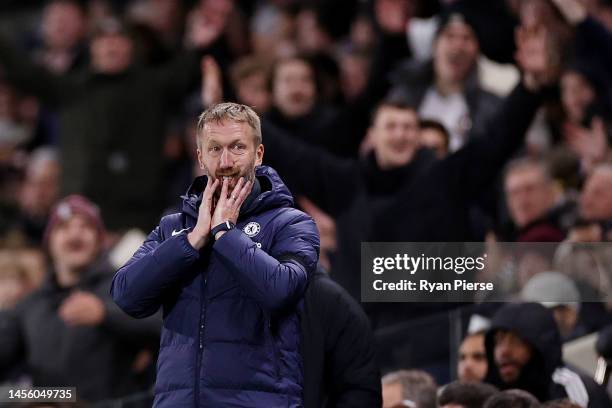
(558, 293)
(523, 349)
(69, 333)
(447, 88)
(74, 237)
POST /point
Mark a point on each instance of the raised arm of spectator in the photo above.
(329, 181)
(23, 73)
(182, 74)
(479, 162)
(139, 286)
(11, 342)
(392, 47)
(593, 39)
(391, 20)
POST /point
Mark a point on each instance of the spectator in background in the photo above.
(446, 88)
(62, 49)
(524, 351)
(39, 193)
(112, 118)
(534, 201)
(15, 130)
(338, 353)
(596, 195)
(354, 73)
(465, 394)
(69, 332)
(296, 109)
(472, 365)
(63, 42)
(434, 136)
(250, 78)
(558, 293)
(409, 388)
(15, 283)
(562, 403)
(158, 24)
(585, 101)
(513, 399)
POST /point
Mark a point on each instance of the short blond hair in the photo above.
(233, 112)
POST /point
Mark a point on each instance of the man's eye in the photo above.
(239, 147)
(214, 148)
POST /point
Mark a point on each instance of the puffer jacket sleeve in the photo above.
(138, 286)
(276, 280)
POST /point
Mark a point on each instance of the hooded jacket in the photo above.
(230, 336)
(545, 376)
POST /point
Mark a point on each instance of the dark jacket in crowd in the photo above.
(593, 48)
(230, 335)
(340, 130)
(97, 360)
(338, 350)
(112, 129)
(319, 127)
(545, 376)
(411, 80)
(426, 200)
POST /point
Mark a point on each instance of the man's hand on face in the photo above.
(199, 236)
(228, 207)
(82, 309)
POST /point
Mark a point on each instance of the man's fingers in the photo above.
(244, 192)
(208, 192)
(224, 190)
(237, 188)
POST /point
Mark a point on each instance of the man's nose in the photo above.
(226, 159)
(503, 347)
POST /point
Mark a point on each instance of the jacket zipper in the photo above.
(200, 352)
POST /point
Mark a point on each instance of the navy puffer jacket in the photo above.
(231, 331)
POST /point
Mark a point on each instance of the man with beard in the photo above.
(69, 333)
(524, 352)
(472, 365)
(229, 271)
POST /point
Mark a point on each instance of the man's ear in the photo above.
(199, 154)
(259, 153)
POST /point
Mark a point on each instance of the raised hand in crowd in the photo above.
(589, 143)
(392, 16)
(205, 25)
(573, 11)
(212, 86)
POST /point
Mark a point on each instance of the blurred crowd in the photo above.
(389, 120)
